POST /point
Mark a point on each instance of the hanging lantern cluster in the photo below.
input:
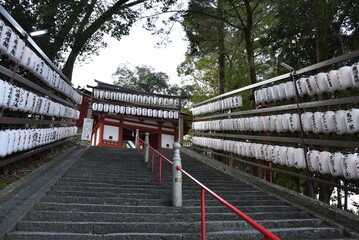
(224, 104)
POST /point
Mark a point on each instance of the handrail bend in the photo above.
(267, 234)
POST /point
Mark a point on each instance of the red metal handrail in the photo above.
(153, 159)
(267, 234)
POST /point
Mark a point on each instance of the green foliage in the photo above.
(145, 78)
(77, 28)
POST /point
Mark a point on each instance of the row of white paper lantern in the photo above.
(15, 48)
(339, 122)
(335, 80)
(224, 104)
(135, 111)
(135, 98)
(16, 140)
(266, 152)
(336, 164)
(19, 99)
(342, 79)
(275, 93)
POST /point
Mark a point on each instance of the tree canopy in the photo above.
(145, 78)
(258, 35)
(76, 28)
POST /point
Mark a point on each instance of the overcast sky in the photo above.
(139, 48)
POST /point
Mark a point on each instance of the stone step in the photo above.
(106, 200)
(285, 233)
(149, 202)
(148, 194)
(288, 234)
(98, 187)
(78, 236)
(155, 217)
(153, 209)
(155, 227)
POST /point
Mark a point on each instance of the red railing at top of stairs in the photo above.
(154, 151)
(266, 233)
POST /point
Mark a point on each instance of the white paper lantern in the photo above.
(4, 139)
(155, 113)
(11, 141)
(312, 159)
(345, 77)
(301, 86)
(275, 155)
(323, 162)
(133, 111)
(335, 164)
(355, 74)
(321, 83)
(100, 107)
(113, 96)
(294, 122)
(117, 109)
(318, 122)
(290, 157)
(106, 108)
(328, 122)
(340, 122)
(150, 100)
(348, 162)
(160, 113)
(286, 122)
(333, 82)
(279, 124)
(272, 94)
(310, 86)
(140, 99)
(289, 89)
(149, 112)
(352, 120)
(307, 121)
(281, 91)
(134, 98)
(111, 108)
(257, 96)
(273, 123)
(139, 111)
(299, 158)
(122, 110)
(94, 106)
(123, 97)
(2, 93)
(175, 115)
(282, 153)
(128, 110)
(118, 96)
(170, 114)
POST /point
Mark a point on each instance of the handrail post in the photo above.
(203, 214)
(176, 176)
(147, 147)
(136, 138)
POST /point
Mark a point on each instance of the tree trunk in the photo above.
(221, 49)
(248, 38)
(322, 30)
(70, 62)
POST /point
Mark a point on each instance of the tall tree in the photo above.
(76, 28)
(209, 24)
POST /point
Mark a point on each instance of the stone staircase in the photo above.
(111, 194)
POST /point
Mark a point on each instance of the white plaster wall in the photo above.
(167, 139)
(110, 131)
